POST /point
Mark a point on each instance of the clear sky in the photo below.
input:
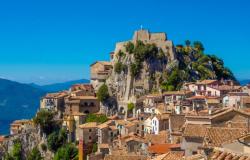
(47, 41)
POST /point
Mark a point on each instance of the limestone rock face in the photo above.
(126, 87)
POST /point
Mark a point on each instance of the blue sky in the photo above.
(47, 41)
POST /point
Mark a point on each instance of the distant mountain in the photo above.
(59, 86)
(244, 81)
(17, 101)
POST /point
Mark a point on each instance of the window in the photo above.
(85, 104)
(90, 130)
(92, 104)
(90, 138)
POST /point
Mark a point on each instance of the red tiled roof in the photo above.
(162, 148)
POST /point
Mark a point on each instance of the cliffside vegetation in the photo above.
(102, 93)
(192, 64)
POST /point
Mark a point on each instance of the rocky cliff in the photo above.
(152, 63)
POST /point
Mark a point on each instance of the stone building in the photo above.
(100, 70)
(81, 104)
(53, 101)
(88, 132)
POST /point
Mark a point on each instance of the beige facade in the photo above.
(82, 104)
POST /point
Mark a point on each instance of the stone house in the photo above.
(53, 101)
(82, 90)
(88, 132)
(233, 99)
(241, 145)
(99, 72)
(107, 132)
(82, 104)
(125, 127)
(245, 102)
(160, 123)
(18, 126)
(193, 137)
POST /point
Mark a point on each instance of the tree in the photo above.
(35, 154)
(102, 93)
(119, 67)
(199, 46)
(56, 140)
(131, 106)
(130, 47)
(45, 119)
(67, 152)
(96, 118)
(17, 150)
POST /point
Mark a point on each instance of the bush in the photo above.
(131, 106)
(16, 153)
(130, 47)
(45, 120)
(102, 93)
(121, 54)
(56, 140)
(67, 152)
(44, 147)
(35, 154)
(119, 67)
(96, 118)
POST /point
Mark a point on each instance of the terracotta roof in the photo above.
(208, 81)
(195, 130)
(2, 139)
(56, 95)
(224, 155)
(182, 92)
(176, 121)
(88, 125)
(216, 136)
(195, 157)
(197, 97)
(162, 148)
(172, 155)
(227, 88)
(238, 94)
(157, 138)
(82, 97)
(125, 157)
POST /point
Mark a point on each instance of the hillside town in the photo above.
(118, 117)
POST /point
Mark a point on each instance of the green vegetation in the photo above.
(130, 47)
(56, 140)
(96, 118)
(16, 153)
(95, 148)
(121, 54)
(131, 106)
(35, 154)
(45, 119)
(67, 152)
(119, 67)
(102, 93)
(194, 65)
(44, 147)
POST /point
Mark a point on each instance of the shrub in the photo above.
(67, 152)
(35, 154)
(56, 140)
(130, 47)
(121, 54)
(45, 120)
(102, 93)
(131, 106)
(96, 118)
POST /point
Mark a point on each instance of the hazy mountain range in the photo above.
(20, 101)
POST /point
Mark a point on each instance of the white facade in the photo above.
(155, 125)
